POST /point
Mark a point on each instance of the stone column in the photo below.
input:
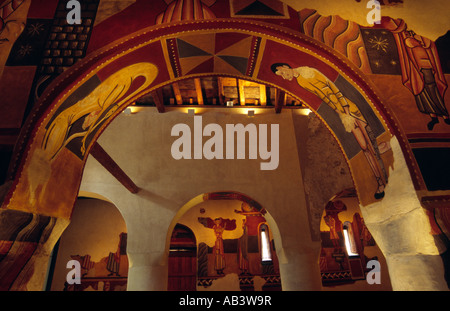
(402, 230)
(299, 268)
(147, 272)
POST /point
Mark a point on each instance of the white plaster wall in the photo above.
(141, 144)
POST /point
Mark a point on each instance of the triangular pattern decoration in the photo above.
(258, 8)
(206, 66)
(227, 40)
(221, 52)
(240, 63)
(189, 64)
(188, 50)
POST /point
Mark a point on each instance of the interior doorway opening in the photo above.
(182, 260)
(230, 238)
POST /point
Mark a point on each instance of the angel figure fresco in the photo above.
(98, 106)
(422, 73)
(219, 225)
(91, 111)
(351, 117)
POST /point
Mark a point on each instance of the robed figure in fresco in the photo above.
(421, 71)
(13, 17)
(219, 225)
(351, 117)
(243, 249)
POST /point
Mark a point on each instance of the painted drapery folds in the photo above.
(409, 69)
(422, 73)
(13, 15)
(82, 119)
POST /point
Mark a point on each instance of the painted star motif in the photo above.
(24, 50)
(35, 29)
(379, 43)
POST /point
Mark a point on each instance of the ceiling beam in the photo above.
(241, 90)
(280, 101)
(220, 91)
(159, 100)
(198, 90)
(262, 95)
(176, 90)
(107, 162)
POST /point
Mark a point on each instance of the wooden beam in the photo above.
(159, 100)
(262, 95)
(280, 101)
(220, 91)
(107, 162)
(198, 90)
(176, 90)
(241, 91)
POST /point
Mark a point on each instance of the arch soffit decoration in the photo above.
(159, 64)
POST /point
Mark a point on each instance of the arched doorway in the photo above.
(182, 260)
(235, 245)
(97, 239)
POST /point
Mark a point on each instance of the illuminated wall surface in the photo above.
(224, 145)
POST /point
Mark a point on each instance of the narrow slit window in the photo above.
(266, 254)
(349, 238)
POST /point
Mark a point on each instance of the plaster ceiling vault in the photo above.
(89, 111)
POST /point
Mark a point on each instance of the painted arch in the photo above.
(81, 102)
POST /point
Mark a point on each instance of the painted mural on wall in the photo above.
(109, 274)
(70, 130)
(348, 112)
(80, 118)
(13, 16)
(244, 53)
(178, 10)
(342, 35)
(242, 256)
(408, 69)
(339, 263)
(422, 73)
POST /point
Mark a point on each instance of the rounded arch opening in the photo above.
(230, 253)
(96, 238)
(100, 71)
